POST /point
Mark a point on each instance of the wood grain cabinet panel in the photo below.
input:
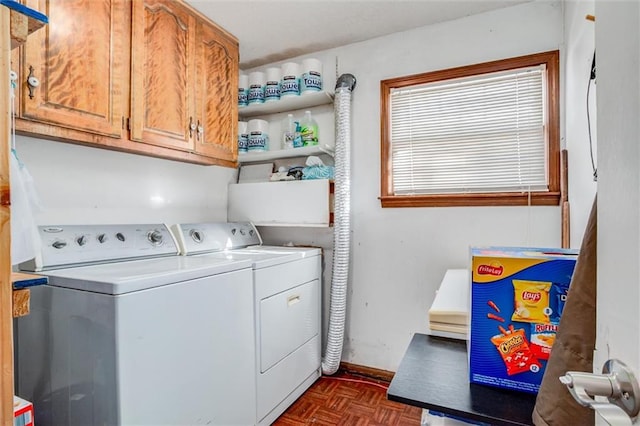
(77, 60)
(162, 88)
(153, 77)
(184, 81)
(216, 93)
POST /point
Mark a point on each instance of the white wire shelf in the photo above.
(289, 103)
(255, 157)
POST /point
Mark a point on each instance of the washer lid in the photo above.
(126, 277)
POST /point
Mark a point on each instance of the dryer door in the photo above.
(287, 321)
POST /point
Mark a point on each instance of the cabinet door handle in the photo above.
(192, 127)
(292, 300)
(32, 82)
(200, 131)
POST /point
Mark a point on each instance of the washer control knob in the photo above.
(251, 232)
(233, 231)
(102, 238)
(120, 236)
(59, 244)
(196, 235)
(155, 237)
(81, 240)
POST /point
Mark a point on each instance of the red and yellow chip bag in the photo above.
(542, 338)
(531, 299)
(515, 352)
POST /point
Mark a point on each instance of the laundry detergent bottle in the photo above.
(308, 130)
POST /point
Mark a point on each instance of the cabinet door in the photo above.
(77, 59)
(216, 93)
(162, 64)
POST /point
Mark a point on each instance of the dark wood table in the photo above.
(433, 374)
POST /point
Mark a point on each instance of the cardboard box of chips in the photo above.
(517, 298)
(22, 412)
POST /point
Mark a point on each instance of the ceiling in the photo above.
(274, 30)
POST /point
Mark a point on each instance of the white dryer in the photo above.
(112, 340)
(287, 300)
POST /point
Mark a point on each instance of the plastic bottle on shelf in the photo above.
(308, 130)
(289, 126)
(297, 141)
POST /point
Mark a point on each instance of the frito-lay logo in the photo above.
(531, 296)
(490, 270)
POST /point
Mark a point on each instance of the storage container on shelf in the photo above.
(258, 135)
(243, 90)
(311, 78)
(272, 85)
(257, 80)
(243, 137)
(290, 84)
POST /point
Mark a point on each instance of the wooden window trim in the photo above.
(551, 198)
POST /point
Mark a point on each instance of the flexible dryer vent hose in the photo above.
(341, 224)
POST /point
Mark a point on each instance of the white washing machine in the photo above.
(287, 286)
(116, 341)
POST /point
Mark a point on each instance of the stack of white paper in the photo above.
(449, 312)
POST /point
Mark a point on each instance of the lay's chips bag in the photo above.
(531, 302)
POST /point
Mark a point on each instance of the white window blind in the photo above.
(478, 134)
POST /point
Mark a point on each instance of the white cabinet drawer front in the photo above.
(287, 321)
(276, 279)
(283, 378)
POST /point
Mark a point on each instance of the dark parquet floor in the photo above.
(345, 399)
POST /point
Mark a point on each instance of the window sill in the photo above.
(472, 200)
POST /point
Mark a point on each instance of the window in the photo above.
(485, 134)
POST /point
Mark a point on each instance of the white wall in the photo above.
(83, 185)
(400, 255)
(579, 46)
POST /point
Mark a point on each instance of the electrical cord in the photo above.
(592, 77)
(366, 382)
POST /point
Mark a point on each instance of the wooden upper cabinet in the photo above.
(216, 93)
(77, 60)
(153, 77)
(163, 70)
